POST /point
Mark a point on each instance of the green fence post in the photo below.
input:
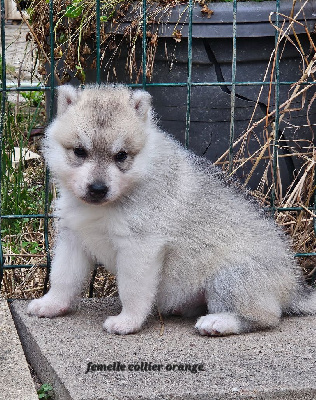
(277, 110)
(189, 79)
(98, 41)
(233, 90)
(51, 114)
(3, 106)
(144, 45)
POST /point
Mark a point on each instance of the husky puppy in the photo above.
(162, 220)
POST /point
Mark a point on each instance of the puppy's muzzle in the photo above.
(97, 192)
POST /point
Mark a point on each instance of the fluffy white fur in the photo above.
(162, 220)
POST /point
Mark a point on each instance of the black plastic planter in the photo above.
(212, 62)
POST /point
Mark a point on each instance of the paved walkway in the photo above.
(19, 53)
(83, 362)
(16, 382)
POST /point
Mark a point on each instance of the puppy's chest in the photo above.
(99, 235)
(101, 246)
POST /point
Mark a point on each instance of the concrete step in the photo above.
(16, 382)
(83, 362)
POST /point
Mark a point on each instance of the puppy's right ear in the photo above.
(67, 95)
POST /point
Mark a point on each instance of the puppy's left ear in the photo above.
(142, 103)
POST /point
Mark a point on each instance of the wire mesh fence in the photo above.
(234, 82)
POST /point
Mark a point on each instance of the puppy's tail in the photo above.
(304, 302)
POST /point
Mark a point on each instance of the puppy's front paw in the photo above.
(48, 307)
(121, 324)
(218, 324)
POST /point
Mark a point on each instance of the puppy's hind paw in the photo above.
(48, 307)
(218, 324)
(121, 324)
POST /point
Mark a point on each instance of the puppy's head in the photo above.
(95, 145)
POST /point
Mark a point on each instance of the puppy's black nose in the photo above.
(97, 191)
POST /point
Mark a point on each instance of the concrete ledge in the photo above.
(179, 364)
(15, 378)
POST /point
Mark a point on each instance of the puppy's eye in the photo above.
(120, 156)
(80, 152)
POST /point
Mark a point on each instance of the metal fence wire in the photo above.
(204, 104)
